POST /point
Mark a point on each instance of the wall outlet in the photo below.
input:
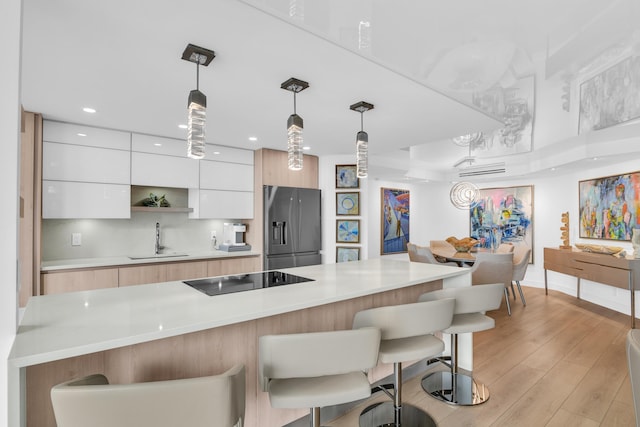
(76, 239)
(212, 235)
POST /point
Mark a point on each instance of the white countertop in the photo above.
(72, 324)
(67, 264)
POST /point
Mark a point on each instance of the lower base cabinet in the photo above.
(89, 279)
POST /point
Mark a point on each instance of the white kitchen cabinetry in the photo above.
(66, 162)
(162, 162)
(159, 170)
(85, 172)
(226, 184)
(66, 199)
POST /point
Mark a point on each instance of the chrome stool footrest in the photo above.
(456, 389)
(384, 414)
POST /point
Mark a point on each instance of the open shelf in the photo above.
(154, 209)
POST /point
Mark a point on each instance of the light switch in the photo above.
(76, 239)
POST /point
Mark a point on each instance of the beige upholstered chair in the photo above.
(195, 402)
(311, 370)
(471, 303)
(521, 256)
(633, 359)
(493, 268)
(504, 248)
(424, 254)
(407, 335)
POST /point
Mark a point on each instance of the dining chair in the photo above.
(521, 256)
(493, 268)
(504, 248)
(217, 400)
(424, 254)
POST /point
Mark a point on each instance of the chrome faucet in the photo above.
(158, 247)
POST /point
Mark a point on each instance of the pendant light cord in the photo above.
(294, 102)
(361, 121)
(198, 72)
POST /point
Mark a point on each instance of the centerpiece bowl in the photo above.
(462, 245)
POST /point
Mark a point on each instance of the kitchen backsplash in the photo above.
(121, 237)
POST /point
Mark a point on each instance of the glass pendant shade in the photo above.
(197, 108)
(362, 154)
(294, 142)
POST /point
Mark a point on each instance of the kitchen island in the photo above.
(170, 330)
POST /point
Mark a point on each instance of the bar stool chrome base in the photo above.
(455, 389)
(382, 414)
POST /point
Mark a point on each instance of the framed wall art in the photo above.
(611, 97)
(346, 254)
(503, 215)
(346, 176)
(609, 206)
(395, 213)
(348, 231)
(348, 203)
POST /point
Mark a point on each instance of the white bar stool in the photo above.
(311, 370)
(471, 303)
(196, 402)
(407, 334)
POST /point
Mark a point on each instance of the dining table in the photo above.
(461, 258)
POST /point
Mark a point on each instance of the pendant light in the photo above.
(197, 103)
(362, 140)
(294, 125)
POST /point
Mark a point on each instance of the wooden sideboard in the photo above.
(621, 272)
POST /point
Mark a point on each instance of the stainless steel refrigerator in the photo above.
(292, 228)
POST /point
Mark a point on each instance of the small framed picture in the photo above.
(348, 231)
(348, 203)
(346, 254)
(346, 177)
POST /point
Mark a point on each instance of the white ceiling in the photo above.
(123, 58)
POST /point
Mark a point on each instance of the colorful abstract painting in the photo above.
(503, 215)
(611, 97)
(348, 231)
(610, 207)
(348, 203)
(346, 254)
(395, 211)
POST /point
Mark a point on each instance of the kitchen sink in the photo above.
(153, 256)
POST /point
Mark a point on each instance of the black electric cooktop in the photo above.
(244, 282)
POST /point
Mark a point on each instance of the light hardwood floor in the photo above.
(559, 361)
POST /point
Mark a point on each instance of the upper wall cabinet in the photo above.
(162, 162)
(226, 184)
(85, 172)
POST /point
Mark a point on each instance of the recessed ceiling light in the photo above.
(553, 169)
(89, 110)
(81, 134)
(182, 126)
(595, 158)
(306, 148)
(253, 138)
(157, 144)
(216, 152)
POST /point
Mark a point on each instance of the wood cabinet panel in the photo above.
(234, 266)
(82, 280)
(184, 270)
(139, 275)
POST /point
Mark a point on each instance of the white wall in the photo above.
(10, 19)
